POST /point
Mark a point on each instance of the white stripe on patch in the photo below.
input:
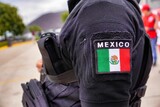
(114, 53)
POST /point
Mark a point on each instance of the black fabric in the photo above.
(139, 88)
(138, 1)
(135, 100)
(91, 17)
(92, 20)
(62, 95)
(50, 94)
(33, 95)
(72, 4)
(110, 104)
(55, 68)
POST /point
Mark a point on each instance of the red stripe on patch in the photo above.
(125, 60)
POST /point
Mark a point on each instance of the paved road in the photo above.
(17, 65)
(152, 97)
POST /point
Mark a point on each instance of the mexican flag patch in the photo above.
(113, 56)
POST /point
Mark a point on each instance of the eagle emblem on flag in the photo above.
(114, 60)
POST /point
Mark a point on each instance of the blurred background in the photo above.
(21, 23)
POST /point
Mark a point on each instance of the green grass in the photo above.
(4, 43)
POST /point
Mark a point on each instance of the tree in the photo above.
(10, 20)
(64, 16)
(34, 28)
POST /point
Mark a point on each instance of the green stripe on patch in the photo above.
(103, 60)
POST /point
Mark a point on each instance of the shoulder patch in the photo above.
(112, 56)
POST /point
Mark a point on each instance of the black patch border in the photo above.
(95, 54)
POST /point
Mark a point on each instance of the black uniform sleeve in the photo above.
(101, 40)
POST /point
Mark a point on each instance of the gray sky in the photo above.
(31, 9)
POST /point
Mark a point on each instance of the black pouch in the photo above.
(55, 68)
(33, 94)
(62, 95)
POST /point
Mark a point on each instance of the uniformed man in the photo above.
(105, 43)
(104, 58)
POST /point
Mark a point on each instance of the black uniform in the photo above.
(105, 43)
(103, 58)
